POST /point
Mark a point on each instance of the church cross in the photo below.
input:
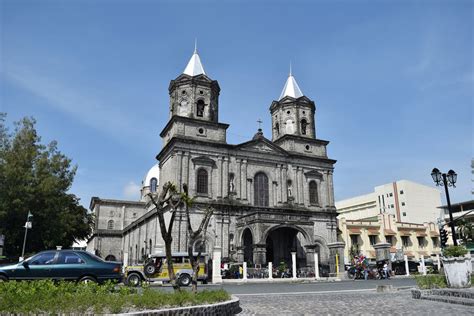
(259, 121)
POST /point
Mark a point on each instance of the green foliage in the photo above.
(282, 267)
(454, 251)
(36, 178)
(465, 230)
(37, 297)
(431, 281)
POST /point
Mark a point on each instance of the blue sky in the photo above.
(392, 81)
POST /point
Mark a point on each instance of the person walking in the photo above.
(385, 270)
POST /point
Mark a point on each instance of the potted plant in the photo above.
(457, 267)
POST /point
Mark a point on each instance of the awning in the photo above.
(420, 234)
(354, 231)
(389, 232)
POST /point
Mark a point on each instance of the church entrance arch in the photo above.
(247, 242)
(281, 242)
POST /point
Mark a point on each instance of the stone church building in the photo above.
(271, 197)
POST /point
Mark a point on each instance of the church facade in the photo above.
(271, 197)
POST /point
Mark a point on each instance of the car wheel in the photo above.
(184, 280)
(134, 279)
(87, 279)
(150, 269)
(3, 278)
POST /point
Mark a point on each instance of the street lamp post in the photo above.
(449, 179)
(27, 226)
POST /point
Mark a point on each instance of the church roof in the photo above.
(154, 172)
(291, 88)
(194, 66)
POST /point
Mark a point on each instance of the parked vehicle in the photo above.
(155, 269)
(398, 267)
(75, 265)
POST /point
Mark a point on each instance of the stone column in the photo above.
(301, 186)
(295, 192)
(244, 276)
(238, 179)
(219, 177)
(243, 178)
(240, 254)
(225, 177)
(280, 183)
(331, 189)
(270, 270)
(284, 184)
(316, 265)
(185, 176)
(179, 163)
(336, 248)
(293, 264)
(260, 253)
(310, 249)
(407, 270)
(382, 252)
(216, 266)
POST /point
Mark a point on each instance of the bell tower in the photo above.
(194, 105)
(193, 94)
(293, 113)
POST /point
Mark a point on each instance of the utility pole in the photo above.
(28, 225)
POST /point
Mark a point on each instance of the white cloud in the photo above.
(131, 191)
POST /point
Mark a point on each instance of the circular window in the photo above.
(288, 112)
(304, 112)
(201, 92)
(307, 147)
(183, 92)
(201, 130)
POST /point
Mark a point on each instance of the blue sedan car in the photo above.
(75, 265)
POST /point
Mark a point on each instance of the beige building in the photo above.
(413, 240)
(406, 200)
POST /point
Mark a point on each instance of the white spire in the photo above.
(291, 88)
(194, 66)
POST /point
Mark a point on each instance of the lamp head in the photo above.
(436, 175)
(452, 177)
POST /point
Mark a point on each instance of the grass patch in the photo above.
(36, 297)
(426, 282)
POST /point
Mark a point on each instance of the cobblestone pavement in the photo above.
(348, 303)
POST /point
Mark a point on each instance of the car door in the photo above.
(68, 266)
(38, 267)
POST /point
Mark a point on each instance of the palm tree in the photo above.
(465, 230)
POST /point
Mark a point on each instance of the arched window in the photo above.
(313, 193)
(260, 186)
(304, 124)
(110, 224)
(200, 108)
(153, 184)
(201, 185)
(277, 129)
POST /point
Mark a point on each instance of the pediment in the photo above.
(302, 99)
(262, 145)
(314, 174)
(203, 161)
(185, 77)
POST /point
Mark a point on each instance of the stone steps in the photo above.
(451, 296)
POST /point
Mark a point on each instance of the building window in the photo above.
(304, 124)
(435, 241)
(389, 240)
(401, 191)
(406, 241)
(277, 128)
(260, 186)
(421, 242)
(354, 239)
(404, 213)
(202, 180)
(403, 203)
(110, 224)
(372, 239)
(313, 193)
(391, 206)
(391, 194)
(153, 184)
(200, 108)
